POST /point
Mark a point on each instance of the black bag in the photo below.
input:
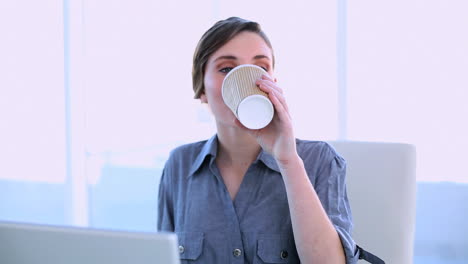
(369, 257)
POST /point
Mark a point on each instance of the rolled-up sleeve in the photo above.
(165, 202)
(330, 186)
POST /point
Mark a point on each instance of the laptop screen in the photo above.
(23, 243)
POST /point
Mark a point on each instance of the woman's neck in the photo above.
(236, 147)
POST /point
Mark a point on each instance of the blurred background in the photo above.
(95, 94)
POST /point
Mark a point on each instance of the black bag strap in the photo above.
(369, 257)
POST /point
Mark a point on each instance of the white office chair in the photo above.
(381, 184)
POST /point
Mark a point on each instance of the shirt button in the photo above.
(237, 252)
(181, 249)
(284, 254)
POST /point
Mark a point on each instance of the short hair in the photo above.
(213, 39)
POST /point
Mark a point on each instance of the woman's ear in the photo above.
(203, 98)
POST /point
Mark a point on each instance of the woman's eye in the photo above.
(226, 69)
(263, 67)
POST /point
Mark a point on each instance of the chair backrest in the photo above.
(381, 185)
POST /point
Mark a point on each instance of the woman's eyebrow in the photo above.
(226, 57)
(231, 57)
(258, 57)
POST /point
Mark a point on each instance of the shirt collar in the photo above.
(268, 160)
(211, 148)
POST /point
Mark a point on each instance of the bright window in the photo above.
(32, 112)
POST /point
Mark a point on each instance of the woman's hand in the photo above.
(277, 138)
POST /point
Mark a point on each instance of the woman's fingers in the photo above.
(280, 106)
(270, 80)
(278, 101)
(272, 89)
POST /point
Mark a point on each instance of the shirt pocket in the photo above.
(276, 249)
(190, 245)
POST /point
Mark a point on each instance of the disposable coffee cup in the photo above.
(249, 104)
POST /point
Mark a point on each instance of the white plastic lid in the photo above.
(255, 111)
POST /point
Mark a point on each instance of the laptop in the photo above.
(24, 243)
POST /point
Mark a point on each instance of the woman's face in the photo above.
(245, 48)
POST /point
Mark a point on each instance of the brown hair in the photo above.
(213, 39)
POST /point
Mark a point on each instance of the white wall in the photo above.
(407, 80)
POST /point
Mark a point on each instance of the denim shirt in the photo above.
(256, 226)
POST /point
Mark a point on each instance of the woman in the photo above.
(253, 196)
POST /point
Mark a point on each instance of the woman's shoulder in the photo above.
(320, 152)
(321, 160)
(314, 147)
